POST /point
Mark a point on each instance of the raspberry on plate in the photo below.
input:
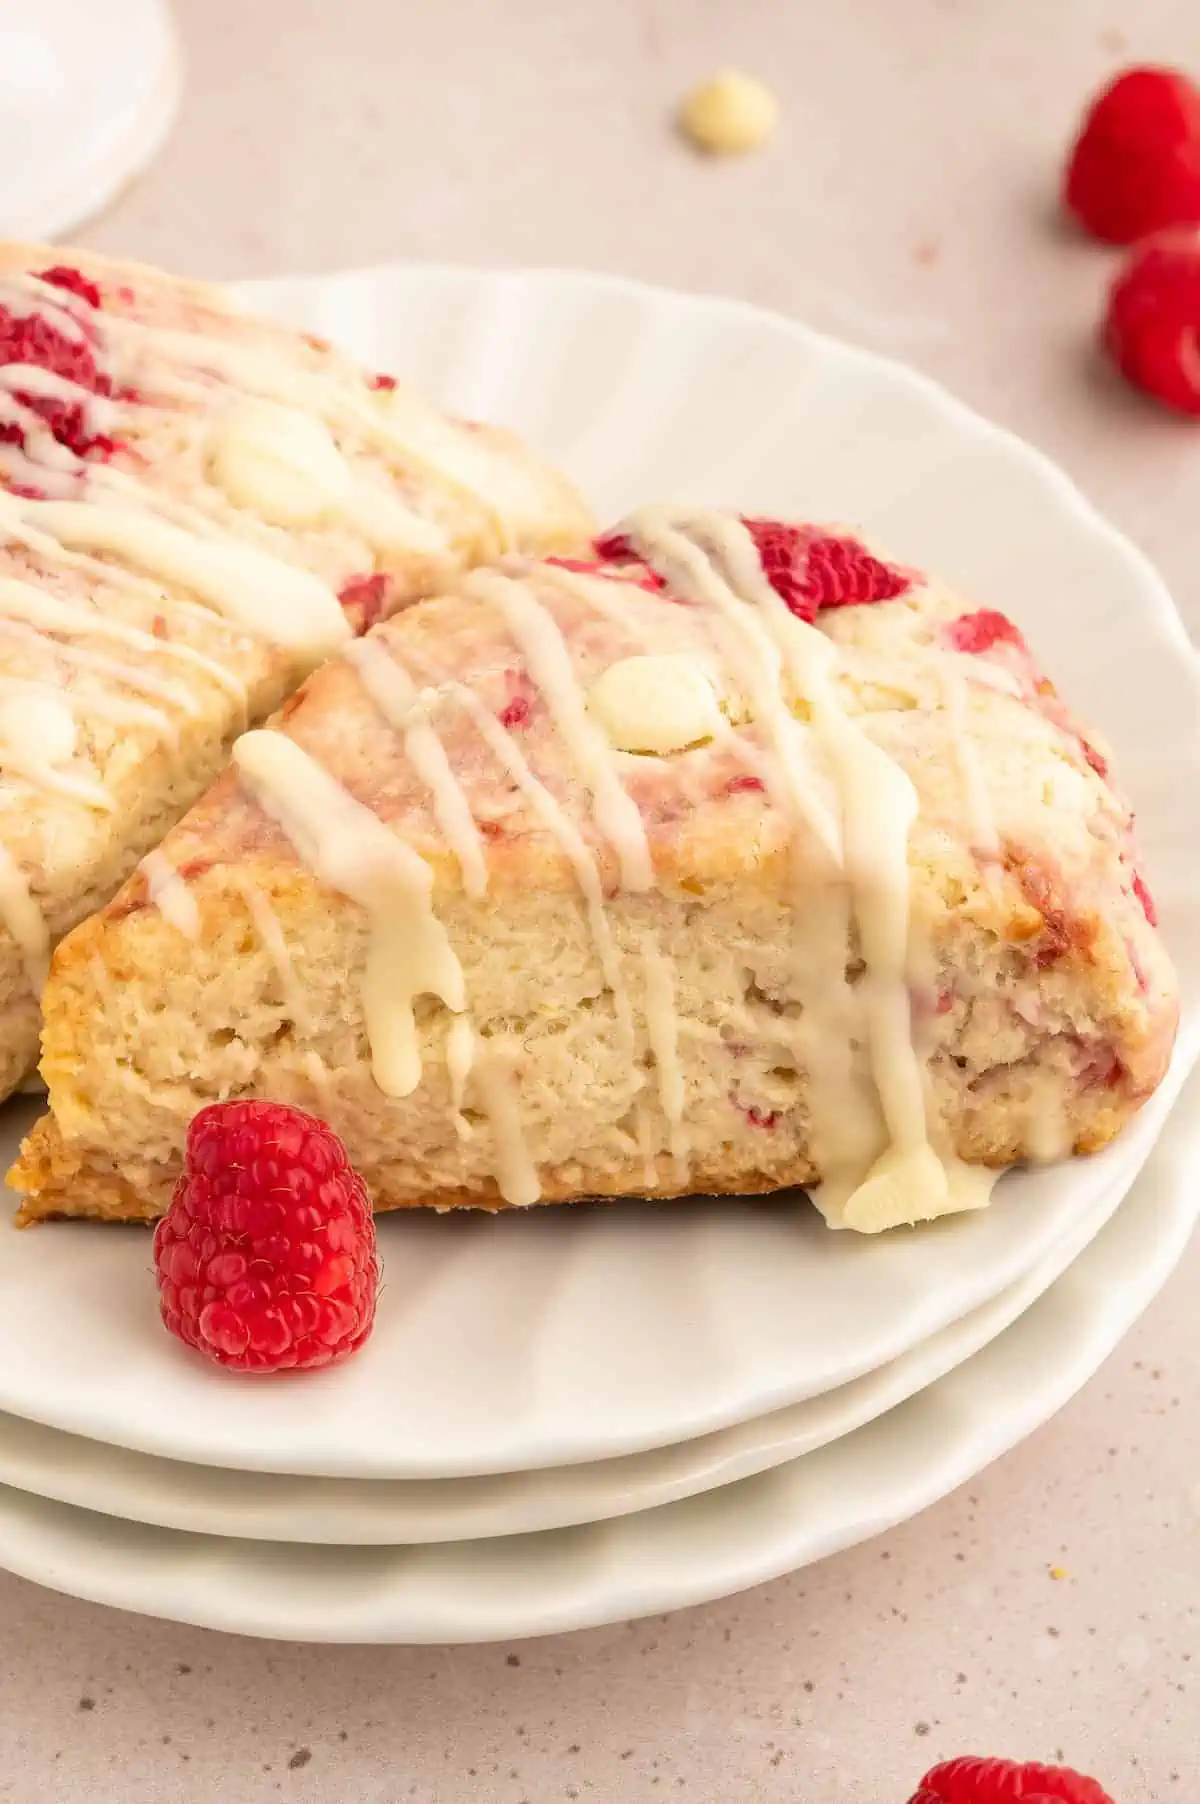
(973, 1781)
(1152, 328)
(266, 1257)
(1135, 166)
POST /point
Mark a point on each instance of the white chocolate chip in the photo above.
(729, 114)
(38, 728)
(660, 704)
(281, 463)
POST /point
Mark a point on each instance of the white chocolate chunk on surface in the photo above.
(282, 463)
(729, 114)
(657, 703)
(38, 726)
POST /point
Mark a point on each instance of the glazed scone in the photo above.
(196, 506)
(734, 859)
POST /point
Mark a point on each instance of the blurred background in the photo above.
(908, 199)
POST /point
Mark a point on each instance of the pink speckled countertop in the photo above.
(906, 204)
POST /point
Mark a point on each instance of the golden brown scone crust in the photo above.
(165, 417)
(1044, 1004)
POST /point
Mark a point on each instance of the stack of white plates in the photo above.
(574, 1416)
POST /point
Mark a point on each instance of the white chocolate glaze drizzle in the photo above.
(258, 593)
(401, 704)
(538, 638)
(171, 895)
(862, 1186)
(349, 848)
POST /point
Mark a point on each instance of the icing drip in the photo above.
(396, 422)
(285, 465)
(171, 895)
(260, 594)
(537, 636)
(515, 1173)
(23, 600)
(271, 934)
(400, 703)
(460, 1056)
(862, 1187)
(37, 745)
(558, 823)
(347, 847)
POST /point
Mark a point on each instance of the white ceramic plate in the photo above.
(136, 1487)
(590, 1334)
(685, 1553)
(87, 95)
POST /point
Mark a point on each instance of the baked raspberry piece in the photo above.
(1142, 892)
(974, 1781)
(814, 570)
(809, 569)
(980, 631)
(32, 339)
(364, 599)
(74, 281)
(1153, 321)
(266, 1256)
(1135, 166)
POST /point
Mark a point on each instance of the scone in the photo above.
(733, 859)
(196, 507)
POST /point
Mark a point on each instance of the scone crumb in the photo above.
(729, 114)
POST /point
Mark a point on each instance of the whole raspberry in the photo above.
(266, 1257)
(1152, 329)
(1005, 1782)
(1135, 166)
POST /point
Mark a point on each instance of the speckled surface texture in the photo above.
(906, 204)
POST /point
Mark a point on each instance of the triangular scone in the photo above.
(737, 859)
(196, 507)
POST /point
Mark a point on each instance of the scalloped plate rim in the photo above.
(178, 1433)
(654, 1561)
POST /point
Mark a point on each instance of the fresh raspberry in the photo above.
(383, 381)
(266, 1257)
(1135, 166)
(810, 570)
(74, 281)
(978, 632)
(1152, 330)
(1005, 1782)
(364, 599)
